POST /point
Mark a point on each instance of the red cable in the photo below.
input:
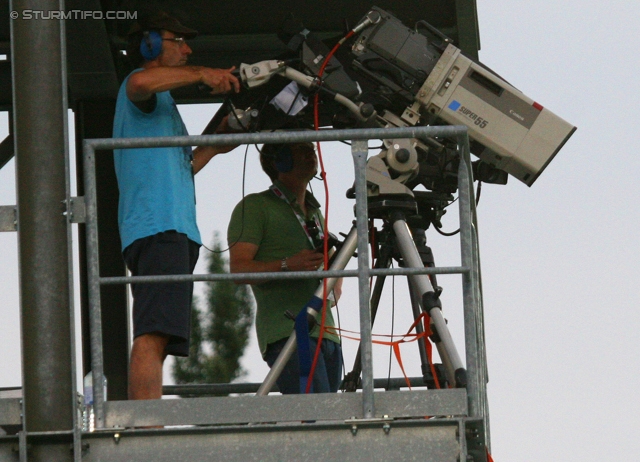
(326, 254)
(316, 123)
(374, 250)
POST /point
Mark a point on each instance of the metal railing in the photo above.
(469, 269)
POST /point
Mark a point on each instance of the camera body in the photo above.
(438, 84)
(395, 76)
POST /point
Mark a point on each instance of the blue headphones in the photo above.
(283, 160)
(151, 45)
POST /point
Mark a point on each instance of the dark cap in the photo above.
(162, 21)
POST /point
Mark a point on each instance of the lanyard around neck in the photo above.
(299, 216)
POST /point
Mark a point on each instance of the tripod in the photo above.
(430, 206)
(424, 295)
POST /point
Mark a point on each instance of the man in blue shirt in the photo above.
(156, 212)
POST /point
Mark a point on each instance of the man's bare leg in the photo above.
(145, 367)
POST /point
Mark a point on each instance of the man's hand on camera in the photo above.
(222, 129)
(305, 260)
(220, 80)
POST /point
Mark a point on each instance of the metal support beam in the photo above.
(465, 197)
(467, 26)
(472, 290)
(283, 408)
(94, 119)
(40, 133)
(359, 151)
(383, 440)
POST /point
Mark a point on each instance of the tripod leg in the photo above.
(352, 378)
(426, 256)
(339, 263)
(422, 348)
(449, 371)
(442, 351)
(428, 298)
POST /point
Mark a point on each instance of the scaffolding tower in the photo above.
(44, 423)
(434, 425)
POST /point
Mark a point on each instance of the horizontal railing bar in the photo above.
(199, 389)
(276, 137)
(280, 275)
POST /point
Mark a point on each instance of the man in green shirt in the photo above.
(280, 229)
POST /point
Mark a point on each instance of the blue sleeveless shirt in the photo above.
(156, 185)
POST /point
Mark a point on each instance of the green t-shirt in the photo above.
(270, 223)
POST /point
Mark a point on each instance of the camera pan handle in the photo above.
(433, 30)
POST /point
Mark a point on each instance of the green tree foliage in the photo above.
(220, 334)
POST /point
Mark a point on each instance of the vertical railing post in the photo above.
(482, 406)
(469, 280)
(93, 279)
(359, 151)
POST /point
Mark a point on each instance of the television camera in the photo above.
(400, 77)
(396, 77)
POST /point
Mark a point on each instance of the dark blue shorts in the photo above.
(163, 308)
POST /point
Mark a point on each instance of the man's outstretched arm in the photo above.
(144, 84)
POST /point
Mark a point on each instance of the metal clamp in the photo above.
(385, 420)
(8, 218)
(76, 212)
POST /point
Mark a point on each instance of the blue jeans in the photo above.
(327, 376)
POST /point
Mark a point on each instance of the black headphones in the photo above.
(151, 44)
